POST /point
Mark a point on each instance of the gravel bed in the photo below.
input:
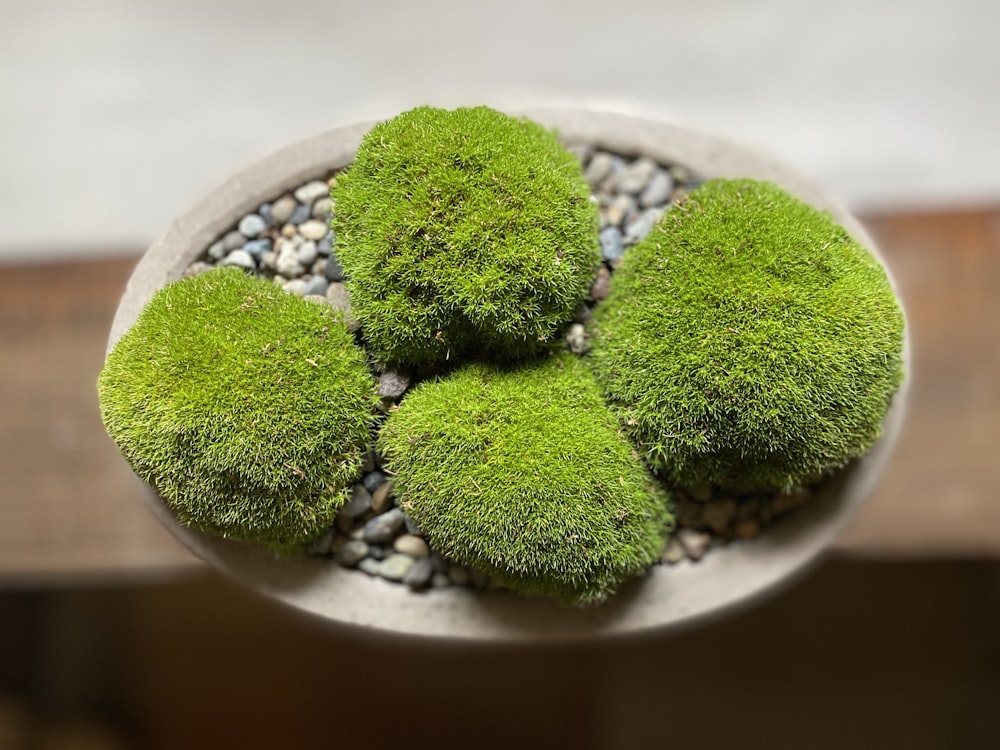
(289, 241)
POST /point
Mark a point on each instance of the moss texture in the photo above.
(749, 341)
(463, 232)
(524, 474)
(247, 408)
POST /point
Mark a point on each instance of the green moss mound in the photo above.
(463, 231)
(524, 474)
(247, 408)
(749, 341)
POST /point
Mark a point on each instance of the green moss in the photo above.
(246, 407)
(749, 341)
(462, 232)
(524, 474)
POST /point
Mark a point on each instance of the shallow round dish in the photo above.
(668, 596)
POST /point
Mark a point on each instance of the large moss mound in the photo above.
(246, 407)
(523, 473)
(463, 231)
(749, 341)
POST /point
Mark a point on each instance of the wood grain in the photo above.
(69, 506)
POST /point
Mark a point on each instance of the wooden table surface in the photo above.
(70, 508)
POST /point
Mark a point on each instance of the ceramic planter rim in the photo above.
(668, 597)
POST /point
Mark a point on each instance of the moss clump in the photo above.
(524, 474)
(749, 341)
(246, 407)
(463, 231)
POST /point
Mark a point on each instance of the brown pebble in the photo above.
(411, 545)
(688, 513)
(382, 497)
(673, 553)
(600, 288)
(695, 543)
(748, 528)
(718, 513)
(785, 502)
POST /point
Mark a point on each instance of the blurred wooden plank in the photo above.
(69, 505)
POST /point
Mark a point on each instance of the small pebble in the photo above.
(748, 528)
(612, 246)
(695, 543)
(240, 259)
(265, 213)
(373, 480)
(619, 209)
(411, 526)
(785, 502)
(300, 214)
(370, 565)
(458, 575)
(295, 286)
(269, 260)
(340, 299)
(673, 553)
(440, 580)
(351, 553)
(582, 151)
(324, 246)
(419, 575)
(602, 284)
(576, 339)
(217, 250)
(197, 268)
(383, 528)
(359, 503)
(281, 210)
(599, 168)
(233, 240)
(316, 286)
(252, 226)
(382, 497)
(392, 384)
(287, 263)
(257, 248)
(307, 253)
(312, 192)
(313, 230)
(396, 566)
(637, 229)
(411, 545)
(658, 190)
(582, 313)
(333, 270)
(316, 299)
(688, 513)
(322, 210)
(478, 578)
(718, 513)
(377, 552)
(636, 176)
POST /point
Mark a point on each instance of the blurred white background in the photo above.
(116, 115)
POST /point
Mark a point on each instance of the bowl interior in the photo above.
(668, 596)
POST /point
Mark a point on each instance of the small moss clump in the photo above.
(749, 342)
(247, 408)
(524, 474)
(463, 232)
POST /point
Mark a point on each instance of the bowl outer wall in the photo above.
(668, 596)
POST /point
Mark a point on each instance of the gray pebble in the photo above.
(312, 192)
(339, 299)
(372, 480)
(392, 385)
(269, 260)
(440, 580)
(296, 287)
(217, 250)
(612, 246)
(323, 210)
(411, 525)
(600, 166)
(377, 552)
(396, 566)
(300, 214)
(419, 575)
(322, 545)
(325, 246)
(636, 176)
(370, 565)
(359, 503)
(639, 227)
(385, 527)
(257, 248)
(316, 286)
(240, 259)
(458, 575)
(582, 313)
(287, 263)
(233, 240)
(307, 253)
(619, 210)
(576, 339)
(281, 210)
(333, 270)
(673, 553)
(582, 151)
(265, 213)
(351, 553)
(252, 226)
(658, 190)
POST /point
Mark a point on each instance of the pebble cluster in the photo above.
(289, 240)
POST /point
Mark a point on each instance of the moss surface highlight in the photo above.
(463, 232)
(525, 474)
(749, 341)
(247, 408)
